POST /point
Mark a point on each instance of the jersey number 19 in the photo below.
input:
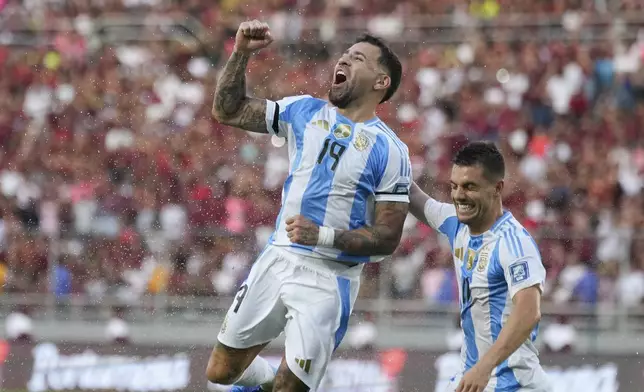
(335, 151)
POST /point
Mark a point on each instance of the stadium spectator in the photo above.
(110, 152)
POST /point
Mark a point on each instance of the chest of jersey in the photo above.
(477, 270)
(332, 151)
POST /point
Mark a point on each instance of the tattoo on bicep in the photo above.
(391, 214)
(252, 116)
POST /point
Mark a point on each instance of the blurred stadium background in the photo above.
(128, 217)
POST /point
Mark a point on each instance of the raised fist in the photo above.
(302, 231)
(252, 36)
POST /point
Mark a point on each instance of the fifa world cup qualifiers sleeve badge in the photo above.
(519, 272)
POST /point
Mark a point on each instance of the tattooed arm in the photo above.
(380, 239)
(231, 105)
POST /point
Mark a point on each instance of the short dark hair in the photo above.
(388, 59)
(485, 154)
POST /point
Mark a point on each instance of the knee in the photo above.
(220, 372)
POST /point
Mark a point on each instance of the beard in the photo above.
(341, 96)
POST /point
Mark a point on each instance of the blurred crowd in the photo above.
(114, 179)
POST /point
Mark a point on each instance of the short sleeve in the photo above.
(279, 114)
(395, 179)
(437, 213)
(521, 261)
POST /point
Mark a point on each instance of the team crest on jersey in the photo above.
(484, 259)
(362, 142)
(342, 131)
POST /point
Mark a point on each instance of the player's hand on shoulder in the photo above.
(252, 36)
(301, 230)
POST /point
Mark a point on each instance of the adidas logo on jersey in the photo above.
(304, 364)
(322, 124)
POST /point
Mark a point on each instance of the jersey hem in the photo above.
(316, 254)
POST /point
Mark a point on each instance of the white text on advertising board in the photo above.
(54, 371)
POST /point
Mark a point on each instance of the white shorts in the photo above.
(308, 298)
(454, 381)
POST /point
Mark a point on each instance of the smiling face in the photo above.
(358, 73)
(475, 196)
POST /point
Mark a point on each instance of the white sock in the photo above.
(259, 372)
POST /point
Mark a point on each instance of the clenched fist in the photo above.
(252, 36)
(302, 231)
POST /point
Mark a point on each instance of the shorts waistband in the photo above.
(349, 270)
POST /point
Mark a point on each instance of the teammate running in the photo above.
(499, 271)
(343, 204)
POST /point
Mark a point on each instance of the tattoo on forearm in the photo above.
(367, 241)
(231, 87)
(380, 239)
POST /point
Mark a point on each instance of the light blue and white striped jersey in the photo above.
(338, 170)
(491, 268)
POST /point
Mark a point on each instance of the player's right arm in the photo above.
(231, 105)
(439, 216)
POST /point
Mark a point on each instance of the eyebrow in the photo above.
(357, 53)
(464, 184)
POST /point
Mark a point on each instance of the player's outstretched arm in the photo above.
(433, 213)
(381, 238)
(417, 200)
(231, 105)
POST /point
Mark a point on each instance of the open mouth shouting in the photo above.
(339, 77)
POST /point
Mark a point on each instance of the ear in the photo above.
(499, 187)
(382, 82)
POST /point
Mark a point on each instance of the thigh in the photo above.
(257, 315)
(318, 307)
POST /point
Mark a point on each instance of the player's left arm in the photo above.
(391, 181)
(525, 275)
(393, 170)
(382, 238)
(525, 315)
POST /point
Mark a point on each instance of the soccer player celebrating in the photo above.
(499, 271)
(344, 203)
